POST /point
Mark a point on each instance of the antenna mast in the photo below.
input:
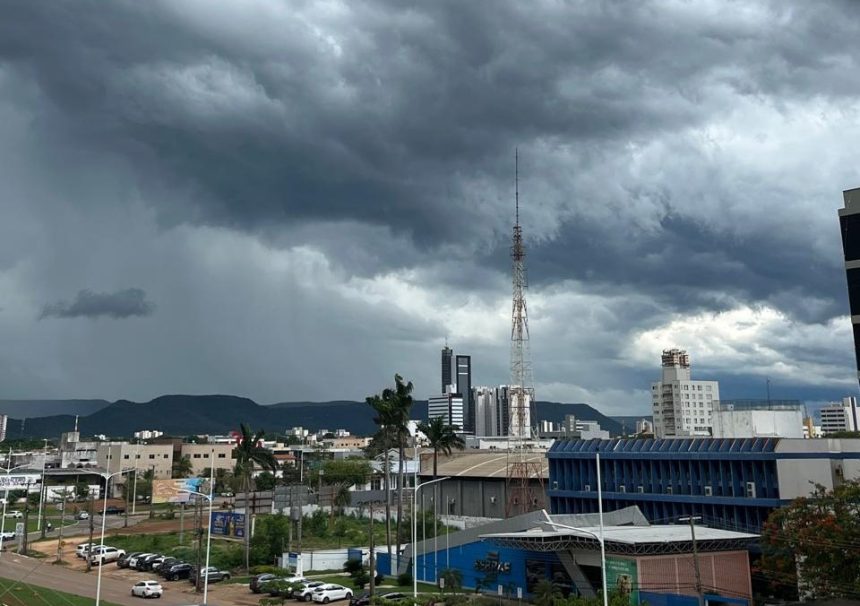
(524, 478)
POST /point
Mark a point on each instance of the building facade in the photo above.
(4, 420)
(849, 222)
(840, 417)
(682, 407)
(758, 419)
(730, 483)
(486, 411)
(464, 388)
(447, 361)
(118, 456)
(206, 456)
(449, 406)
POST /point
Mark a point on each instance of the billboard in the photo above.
(228, 524)
(18, 481)
(622, 576)
(175, 491)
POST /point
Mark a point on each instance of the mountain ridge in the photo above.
(182, 415)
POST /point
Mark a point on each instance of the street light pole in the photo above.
(415, 533)
(107, 476)
(208, 536)
(42, 491)
(602, 541)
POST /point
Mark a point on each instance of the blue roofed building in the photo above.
(730, 483)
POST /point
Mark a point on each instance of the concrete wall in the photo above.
(201, 456)
(758, 423)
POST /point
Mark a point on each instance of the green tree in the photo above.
(271, 537)
(812, 535)
(82, 490)
(546, 592)
(182, 467)
(265, 481)
(249, 452)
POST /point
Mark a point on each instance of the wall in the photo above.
(724, 573)
(201, 458)
(758, 423)
(470, 497)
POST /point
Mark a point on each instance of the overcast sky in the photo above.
(294, 200)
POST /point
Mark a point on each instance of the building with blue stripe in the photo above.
(730, 483)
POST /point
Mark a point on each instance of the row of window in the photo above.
(196, 455)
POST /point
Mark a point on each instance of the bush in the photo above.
(266, 569)
(379, 579)
(352, 566)
(360, 578)
(404, 579)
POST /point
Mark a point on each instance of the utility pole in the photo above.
(181, 523)
(92, 524)
(699, 589)
(60, 529)
(127, 502)
(151, 490)
(372, 554)
(26, 520)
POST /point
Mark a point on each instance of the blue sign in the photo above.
(228, 524)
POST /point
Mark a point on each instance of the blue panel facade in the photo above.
(485, 566)
(731, 483)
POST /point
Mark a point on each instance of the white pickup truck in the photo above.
(103, 554)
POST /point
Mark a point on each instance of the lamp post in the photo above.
(107, 476)
(208, 530)
(42, 491)
(415, 533)
(8, 470)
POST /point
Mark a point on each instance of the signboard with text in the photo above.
(228, 524)
(622, 576)
(18, 481)
(175, 491)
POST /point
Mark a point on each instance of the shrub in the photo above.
(360, 579)
(404, 579)
(352, 566)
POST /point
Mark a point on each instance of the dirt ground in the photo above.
(220, 593)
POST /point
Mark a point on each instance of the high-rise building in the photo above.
(849, 221)
(448, 406)
(464, 388)
(447, 359)
(840, 417)
(682, 407)
(4, 419)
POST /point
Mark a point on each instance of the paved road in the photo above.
(41, 573)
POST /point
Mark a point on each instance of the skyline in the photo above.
(296, 202)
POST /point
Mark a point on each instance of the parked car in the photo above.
(83, 515)
(167, 561)
(214, 575)
(122, 561)
(15, 514)
(177, 571)
(257, 582)
(105, 554)
(304, 591)
(135, 561)
(145, 563)
(147, 589)
(330, 593)
(113, 509)
(83, 549)
(364, 599)
(273, 586)
(7, 535)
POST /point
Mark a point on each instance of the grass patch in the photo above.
(24, 594)
(389, 585)
(224, 554)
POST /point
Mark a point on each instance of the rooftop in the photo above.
(480, 464)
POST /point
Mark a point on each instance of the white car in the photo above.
(330, 593)
(147, 589)
(84, 515)
(132, 562)
(14, 514)
(7, 535)
(304, 592)
(104, 554)
(83, 549)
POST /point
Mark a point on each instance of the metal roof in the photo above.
(480, 464)
(669, 446)
(644, 540)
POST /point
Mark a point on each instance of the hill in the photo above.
(45, 408)
(183, 415)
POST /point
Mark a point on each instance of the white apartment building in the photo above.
(682, 407)
(118, 456)
(148, 434)
(449, 406)
(840, 417)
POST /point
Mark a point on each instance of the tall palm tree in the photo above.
(182, 467)
(401, 408)
(382, 406)
(442, 438)
(249, 451)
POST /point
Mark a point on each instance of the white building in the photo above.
(682, 407)
(758, 419)
(4, 419)
(520, 414)
(148, 434)
(449, 406)
(644, 426)
(840, 417)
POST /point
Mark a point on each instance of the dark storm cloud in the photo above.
(127, 303)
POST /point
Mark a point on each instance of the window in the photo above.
(197, 455)
(165, 456)
(707, 388)
(221, 455)
(124, 456)
(137, 456)
(205, 455)
(152, 456)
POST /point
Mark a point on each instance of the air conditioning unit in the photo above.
(709, 491)
(587, 488)
(492, 499)
(622, 488)
(669, 490)
(555, 485)
(640, 489)
(750, 492)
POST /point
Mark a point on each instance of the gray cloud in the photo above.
(127, 303)
(675, 160)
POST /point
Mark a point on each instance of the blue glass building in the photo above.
(730, 483)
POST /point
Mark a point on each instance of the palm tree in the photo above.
(442, 438)
(249, 451)
(182, 467)
(401, 407)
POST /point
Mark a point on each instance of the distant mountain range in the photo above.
(181, 415)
